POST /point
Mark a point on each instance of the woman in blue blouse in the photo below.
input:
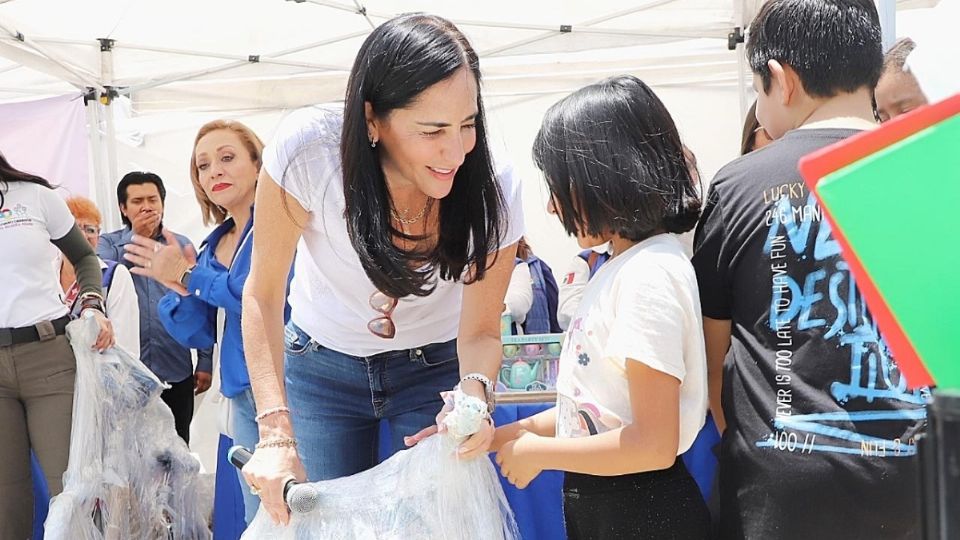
(224, 167)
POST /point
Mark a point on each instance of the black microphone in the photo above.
(238, 456)
(300, 498)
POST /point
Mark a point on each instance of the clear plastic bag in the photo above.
(423, 492)
(129, 474)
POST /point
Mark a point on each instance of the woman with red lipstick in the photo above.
(405, 238)
(223, 167)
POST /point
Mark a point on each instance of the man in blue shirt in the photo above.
(141, 196)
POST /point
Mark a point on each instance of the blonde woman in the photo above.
(223, 167)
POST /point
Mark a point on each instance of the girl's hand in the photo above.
(164, 263)
(478, 443)
(517, 464)
(504, 434)
(267, 472)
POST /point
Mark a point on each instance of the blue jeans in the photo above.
(246, 434)
(338, 400)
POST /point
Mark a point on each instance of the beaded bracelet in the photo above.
(270, 412)
(278, 442)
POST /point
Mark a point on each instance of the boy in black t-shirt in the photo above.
(819, 439)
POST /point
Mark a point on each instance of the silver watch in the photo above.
(488, 388)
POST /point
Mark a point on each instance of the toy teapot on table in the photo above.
(519, 374)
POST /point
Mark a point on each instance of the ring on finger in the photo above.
(157, 247)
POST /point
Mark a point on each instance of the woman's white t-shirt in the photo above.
(642, 305)
(31, 216)
(329, 295)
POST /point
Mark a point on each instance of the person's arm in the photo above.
(544, 423)
(203, 375)
(123, 307)
(716, 334)
(165, 263)
(711, 260)
(87, 268)
(479, 348)
(189, 320)
(649, 443)
(205, 360)
(213, 287)
(519, 297)
(85, 264)
(571, 290)
(279, 218)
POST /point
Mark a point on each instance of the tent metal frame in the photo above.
(101, 86)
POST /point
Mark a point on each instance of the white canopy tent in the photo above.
(153, 71)
(157, 70)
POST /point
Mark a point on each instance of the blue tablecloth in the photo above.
(539, 507)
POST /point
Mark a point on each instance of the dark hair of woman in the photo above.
(9, 174)
(614, 163)
(398, 61)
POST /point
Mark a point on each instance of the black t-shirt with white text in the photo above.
(820, 438)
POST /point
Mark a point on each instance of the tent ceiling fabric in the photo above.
(195, 55)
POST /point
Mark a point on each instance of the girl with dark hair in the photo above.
(37, 365)
(632, 389)
(405, 239)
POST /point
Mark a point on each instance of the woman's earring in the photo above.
(373, 144)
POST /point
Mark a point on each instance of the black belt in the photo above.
(42, 331)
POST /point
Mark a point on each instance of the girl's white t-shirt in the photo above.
(643, 305)
(31, 216)
(330, 292)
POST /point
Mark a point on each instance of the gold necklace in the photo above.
(414, 219)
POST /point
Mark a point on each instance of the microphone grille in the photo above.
(302, 498)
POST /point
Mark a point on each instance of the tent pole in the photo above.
(110, 198)
(106, 99)
(740, 16)
(97, 186)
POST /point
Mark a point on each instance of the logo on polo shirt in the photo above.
(10, 214)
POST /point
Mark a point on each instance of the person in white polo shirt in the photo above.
(37, 365)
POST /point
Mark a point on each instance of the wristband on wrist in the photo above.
(488, 388)
(88, 300)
